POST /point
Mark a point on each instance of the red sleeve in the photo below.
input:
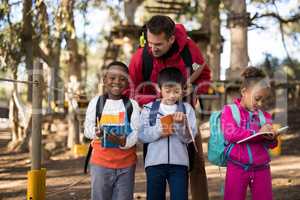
(136, 79)
(203, 81)
(135, 69)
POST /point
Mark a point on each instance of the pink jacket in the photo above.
(249, 125)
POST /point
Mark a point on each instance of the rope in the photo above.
(32, 82)
(17, 81)
(67, 188)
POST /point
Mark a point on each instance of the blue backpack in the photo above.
(217, 143)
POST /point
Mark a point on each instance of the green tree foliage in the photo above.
(10, 37)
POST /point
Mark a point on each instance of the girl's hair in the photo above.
(253, 76)
(170, 75)
(117, 63)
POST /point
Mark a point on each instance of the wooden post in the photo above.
(36, 115)
(36, 176)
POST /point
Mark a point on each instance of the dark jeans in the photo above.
(159, 175)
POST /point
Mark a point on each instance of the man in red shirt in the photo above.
(169, 46)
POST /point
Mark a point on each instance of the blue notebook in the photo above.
(124, 129)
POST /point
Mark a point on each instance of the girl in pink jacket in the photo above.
(248, 162)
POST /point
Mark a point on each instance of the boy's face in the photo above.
(171, 93)
(115, 81)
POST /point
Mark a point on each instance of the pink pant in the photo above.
(237, 181)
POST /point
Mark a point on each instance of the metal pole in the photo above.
(36, 115)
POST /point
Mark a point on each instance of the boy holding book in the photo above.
(167, 156)
(114, 134)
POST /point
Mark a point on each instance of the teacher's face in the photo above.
(159, 44)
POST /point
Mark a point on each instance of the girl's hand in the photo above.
(266, 128)
(270, 136)
(179, 117)
(116, 139)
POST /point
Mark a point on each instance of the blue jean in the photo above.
(112, 184)
(159, 175)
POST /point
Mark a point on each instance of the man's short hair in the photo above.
(170, 75)
(161, 24)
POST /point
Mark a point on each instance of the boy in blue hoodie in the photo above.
(167, 155)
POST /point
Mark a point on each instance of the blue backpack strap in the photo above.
(181, 107)
(153, 112)
(237, 117)
(262, 118)
(235, 113)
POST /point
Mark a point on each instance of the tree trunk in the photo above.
(74, 63)
(27, 42)
(74, 60)
(20, 134)
(49, 49)
(130, 7)
(14, 110)
(214, 47)
(238, 23)
(73, 136)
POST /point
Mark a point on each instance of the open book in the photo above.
(167, 121)
(279, 131)
(115, 129)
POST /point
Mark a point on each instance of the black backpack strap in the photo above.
(128, 107)
(99, 109)
(87, 158)
(187, 58)
(147, 66)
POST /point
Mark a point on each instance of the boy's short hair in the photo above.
(161, 24)
(170, 75)
(117, 63)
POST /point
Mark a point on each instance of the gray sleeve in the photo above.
(187, 132)
(147, 133)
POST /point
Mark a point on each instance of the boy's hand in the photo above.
(163, 135)
(99, 132)
(113, 138)
(179, 117)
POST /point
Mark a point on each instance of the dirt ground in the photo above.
(66, 181)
